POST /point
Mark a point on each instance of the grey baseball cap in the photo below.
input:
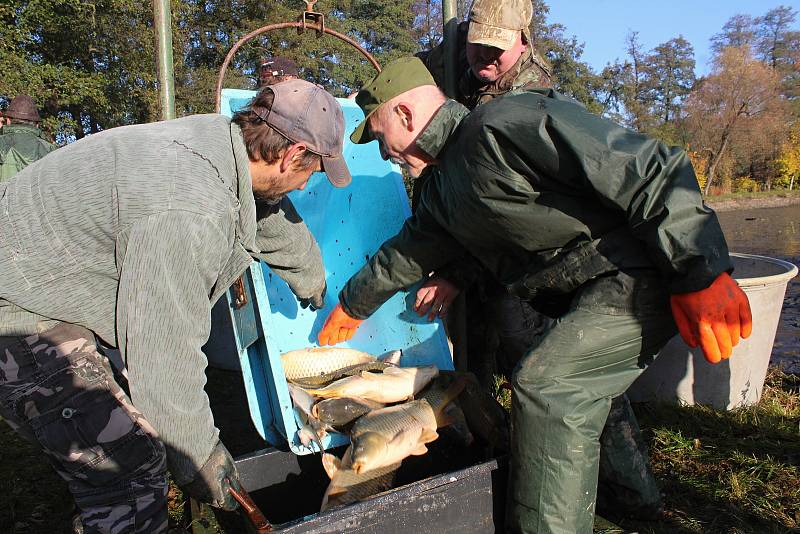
(305, 113)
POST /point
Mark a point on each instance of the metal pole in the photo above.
(162, 21)
(450, 27)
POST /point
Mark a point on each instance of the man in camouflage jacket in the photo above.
(128, 237)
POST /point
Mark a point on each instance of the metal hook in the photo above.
(312, 17)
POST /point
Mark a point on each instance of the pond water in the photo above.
(773, 232)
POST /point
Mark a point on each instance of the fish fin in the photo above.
(450, 394)
(331, 464)
(391, 357)
(395, 371)
(318, 433)
(443, 420)
(420, 450)
(428, 435)
(369, 375)
(305, 436)
(336, 490)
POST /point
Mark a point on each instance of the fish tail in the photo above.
(448, 396)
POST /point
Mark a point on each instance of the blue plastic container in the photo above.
(349, 224)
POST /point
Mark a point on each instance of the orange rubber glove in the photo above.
(338, 327)
(714, 318)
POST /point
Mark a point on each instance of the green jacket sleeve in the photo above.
(169, 264)
(649, 185)
(420, 247)
(288, 248)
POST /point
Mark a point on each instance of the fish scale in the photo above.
(325, 379)
(388, 421)
(311, 362)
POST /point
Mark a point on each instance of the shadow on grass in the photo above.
(725, 472)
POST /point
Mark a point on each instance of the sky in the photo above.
(603, 24)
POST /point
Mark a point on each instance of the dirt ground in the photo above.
(730, 204)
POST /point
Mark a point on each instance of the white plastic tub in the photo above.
(683, 374)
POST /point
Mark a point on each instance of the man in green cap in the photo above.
(496, 57)
(21, 140)
(604, 226)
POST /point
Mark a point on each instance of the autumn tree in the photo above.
(788, 161)
(737, 106)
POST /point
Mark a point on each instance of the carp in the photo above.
(347, 486)
(394, 384)
(315, 362)
(304, 363)
(389, 435)
(325, 379)
(342, 411)
(313, 429)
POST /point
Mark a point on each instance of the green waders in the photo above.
(562, 393)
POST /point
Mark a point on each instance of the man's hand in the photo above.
(315, 301)
(714, 318)
(435, 297)
(210, 484)
(338, 327)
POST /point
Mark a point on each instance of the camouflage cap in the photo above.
(396, 78)
(498, 22)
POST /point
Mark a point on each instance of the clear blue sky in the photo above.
(603, 24)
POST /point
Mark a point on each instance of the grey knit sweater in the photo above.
(134, 233)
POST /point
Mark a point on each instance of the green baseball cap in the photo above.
(396, 78)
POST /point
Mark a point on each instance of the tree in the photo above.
(772, 30)
(779, 46)
(788, 162)
(738, 31)
(670, 77)
(427, 23)
(739, 104)
(571, 76)
(636, 99)
(91, 65)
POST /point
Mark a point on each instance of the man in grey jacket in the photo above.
(128, 237)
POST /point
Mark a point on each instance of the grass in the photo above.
(720, 472)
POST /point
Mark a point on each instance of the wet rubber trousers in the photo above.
(562, 392)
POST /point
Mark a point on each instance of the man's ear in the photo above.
(292, 156)
(406, 115)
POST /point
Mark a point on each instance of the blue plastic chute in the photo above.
(349, 224)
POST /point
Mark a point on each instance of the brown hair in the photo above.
(261, 140)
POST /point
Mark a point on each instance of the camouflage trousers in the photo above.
(59, 392)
